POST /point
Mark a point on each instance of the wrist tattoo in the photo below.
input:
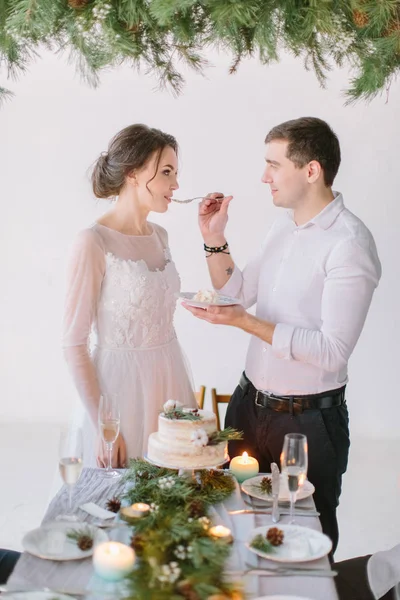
(229, 271)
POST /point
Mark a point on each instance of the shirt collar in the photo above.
(327, 216)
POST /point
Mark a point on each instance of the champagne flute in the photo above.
(109, 420)
(70, 464)
(294, 463)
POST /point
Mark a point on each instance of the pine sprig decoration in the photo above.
(182, 415)
(259, 542)
(177, 557)
(161, 35)
(265, 486)
(226, 435)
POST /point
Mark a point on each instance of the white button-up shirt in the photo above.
(315, 282)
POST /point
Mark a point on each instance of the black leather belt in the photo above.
(293, 404)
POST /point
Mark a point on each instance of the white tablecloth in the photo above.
(92, 487)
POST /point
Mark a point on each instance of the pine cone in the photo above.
(393, 27)
(77, 3)
(196, 509)
(137, 543)
(360, 18)
(85, 542)
(275, 536)
(114, 504)
(186, 590)
(266, 485)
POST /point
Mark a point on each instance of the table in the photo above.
(92, 487)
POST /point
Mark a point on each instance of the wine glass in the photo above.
(109, 420)
(70, 463)
(294, 463)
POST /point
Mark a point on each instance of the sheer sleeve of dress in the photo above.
(84, 279)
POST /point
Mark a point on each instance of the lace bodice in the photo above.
(137, 305)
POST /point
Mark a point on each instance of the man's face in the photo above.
(288, 183)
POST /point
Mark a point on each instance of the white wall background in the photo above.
(56, 126)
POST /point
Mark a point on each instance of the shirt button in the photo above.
(295, 232)
(274, 289)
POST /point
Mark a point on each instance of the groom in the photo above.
(313, 282)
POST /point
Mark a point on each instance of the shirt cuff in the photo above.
(233, 285)
(282, 341)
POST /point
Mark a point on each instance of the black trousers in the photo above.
(327, 432)
(8, 560)
(352, 580)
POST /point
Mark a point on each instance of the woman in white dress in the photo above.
(122, 285)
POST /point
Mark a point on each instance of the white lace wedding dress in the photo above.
(123, 289)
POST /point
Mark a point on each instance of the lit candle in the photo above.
(243, 467)
(221, 532)
(134, 512)
(113, 561)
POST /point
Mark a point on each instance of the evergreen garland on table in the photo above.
(159, 35)
(177, 558)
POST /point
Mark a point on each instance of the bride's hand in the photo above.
(119, 458)
(213, 217)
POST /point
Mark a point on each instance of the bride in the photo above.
(122, 284)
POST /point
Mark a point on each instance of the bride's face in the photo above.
(157, 180)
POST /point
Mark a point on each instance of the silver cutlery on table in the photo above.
(269, 511)
(275, 475)
(5, 591)
(283, 572)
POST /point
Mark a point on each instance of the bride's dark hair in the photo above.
(130, 149)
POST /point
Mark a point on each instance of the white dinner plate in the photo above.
(249, 487)
(37, 596)
(300, 544)
(50, 541)
(282, 598)
(222, 300)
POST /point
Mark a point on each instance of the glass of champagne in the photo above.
(294, 463)
(109, 419)
(70, 464)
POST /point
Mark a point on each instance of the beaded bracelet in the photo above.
(216, 249)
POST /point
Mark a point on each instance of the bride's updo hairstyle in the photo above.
(130, 149)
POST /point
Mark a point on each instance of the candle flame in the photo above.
(220, 531)
(245, 458)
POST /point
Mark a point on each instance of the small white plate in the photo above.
(37, 596)
(249, 488)
(222, 300)
(50, 541)
(300, 544)
(282, 598)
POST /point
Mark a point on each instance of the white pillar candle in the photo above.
(221, 532)
(135, 511)
(243, 467)
(113, 561)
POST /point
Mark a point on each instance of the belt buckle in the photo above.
(267, 394)
(256, 400)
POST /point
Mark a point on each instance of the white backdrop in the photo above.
(56, 126)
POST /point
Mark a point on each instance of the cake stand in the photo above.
(182, 471)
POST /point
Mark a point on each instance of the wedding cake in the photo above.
(186, 438)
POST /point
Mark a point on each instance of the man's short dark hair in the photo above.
(309, 139)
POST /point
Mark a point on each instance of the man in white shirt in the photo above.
(313, 282)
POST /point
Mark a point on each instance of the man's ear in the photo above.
(314, 171)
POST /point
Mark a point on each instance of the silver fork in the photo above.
(191, 199)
